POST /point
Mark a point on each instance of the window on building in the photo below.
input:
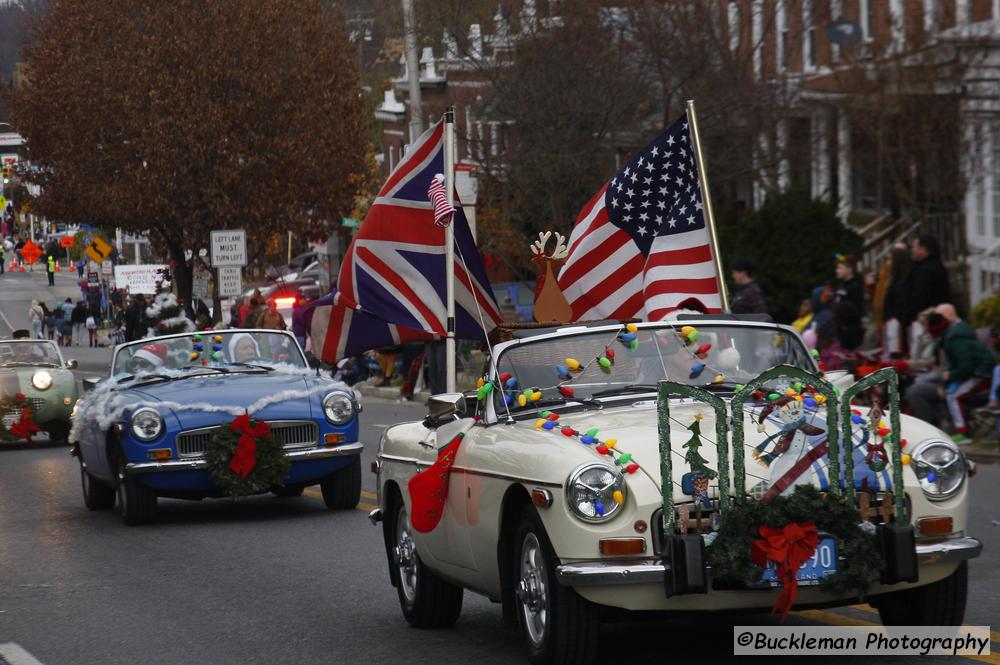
(734, 26)
(781, 34)
(867, 14)
(995, 169)
(809, 43)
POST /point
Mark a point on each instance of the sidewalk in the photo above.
(389, 392)
(983, 453)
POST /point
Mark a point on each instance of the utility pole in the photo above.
(413, 71)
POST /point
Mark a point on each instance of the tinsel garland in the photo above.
(270, 470)
(860, 563)
(17, 404)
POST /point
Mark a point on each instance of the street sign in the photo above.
(98, 250)
(230, 281)
(30, 252)
(67, 241)
(199, 286)
(107, 268)
(93, 278)
(229, 248)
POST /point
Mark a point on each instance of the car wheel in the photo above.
(288, 492)
(342, 489)
(96, 495)
(58, 432)
(556, 624)
(136, 502)
(940, 603)
(427, 600)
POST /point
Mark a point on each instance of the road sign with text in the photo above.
(229, 248)
(230, 281)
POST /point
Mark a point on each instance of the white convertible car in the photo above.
(546, 493)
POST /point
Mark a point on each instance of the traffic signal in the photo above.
(6, 175)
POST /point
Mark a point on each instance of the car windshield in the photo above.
(224, 349)
(29, 352)
(691, 353)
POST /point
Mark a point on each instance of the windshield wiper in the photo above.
(266, 368)
(629, 388)
(556, 401)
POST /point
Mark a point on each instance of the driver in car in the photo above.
(149, 357)
(243, 347)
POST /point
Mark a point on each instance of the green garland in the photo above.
(14, 404)
(861, 564)
(269, 472)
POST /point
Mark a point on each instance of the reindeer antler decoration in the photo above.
(538, 247)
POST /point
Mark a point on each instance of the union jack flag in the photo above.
(438, 196)
(339, 332)
(395, 266)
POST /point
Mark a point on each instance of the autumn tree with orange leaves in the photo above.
(182, 117)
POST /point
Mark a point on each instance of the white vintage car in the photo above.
(552, 497)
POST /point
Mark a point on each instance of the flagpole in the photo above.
(449, 241)
(707, 200)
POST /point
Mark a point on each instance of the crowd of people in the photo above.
(66, 323)
(901, 316)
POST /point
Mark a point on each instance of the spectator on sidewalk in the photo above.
(91, 324)
(37, 317)
(135, 319)
(895, 309)
(748, 298)
(271, 318)
(850, 288)
(79, 318)
(927, 285)
(968, 366)
(49, 322)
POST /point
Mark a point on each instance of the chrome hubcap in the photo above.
(532, 589)
(406, 556)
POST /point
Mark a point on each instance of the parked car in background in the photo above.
(145, 431)
(297, 264)
(516, 300)
(36, 369)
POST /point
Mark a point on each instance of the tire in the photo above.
(557, 626)
(427, 601)
(287, 492)
(58, 432)
(941, 603)
(136, 502)
(96, 495)
(342, 489)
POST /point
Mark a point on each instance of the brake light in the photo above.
(284, 302)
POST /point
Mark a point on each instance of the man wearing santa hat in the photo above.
(148, 357)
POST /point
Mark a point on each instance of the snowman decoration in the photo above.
(779, 452)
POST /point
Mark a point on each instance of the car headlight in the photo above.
(338, 408)
(41, 380)
(590, 492)
(940, 467)
(147, 424)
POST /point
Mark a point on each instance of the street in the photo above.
(268, 580)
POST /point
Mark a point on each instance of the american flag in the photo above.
(641, 248)
(437, 195)
(339, 332)
(394, 268)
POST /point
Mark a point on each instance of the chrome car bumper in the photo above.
(601, 573)
(133, 468)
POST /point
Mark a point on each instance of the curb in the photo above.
(982, 456)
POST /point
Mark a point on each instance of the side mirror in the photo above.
(444, 407)
(89, 384)
(72, 364)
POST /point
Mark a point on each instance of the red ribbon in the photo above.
(788, 547)
(429, 489)
(25, 427)
(245, 457)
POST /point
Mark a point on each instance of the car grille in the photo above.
(37, 404)
(290, 433)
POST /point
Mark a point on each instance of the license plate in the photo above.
(815, 570)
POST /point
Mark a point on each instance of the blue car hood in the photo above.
(232, 390)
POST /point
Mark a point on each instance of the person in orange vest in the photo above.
(50, 269)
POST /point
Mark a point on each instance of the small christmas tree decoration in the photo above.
(693, 457)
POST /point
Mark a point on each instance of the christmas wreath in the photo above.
(789, 522)
(24, 427)
(243, 457)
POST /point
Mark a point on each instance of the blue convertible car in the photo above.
(142, 432)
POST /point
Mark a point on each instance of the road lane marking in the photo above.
(6, 321)
(831, 618)
(16, 655)
(369, 495)
(994, 635)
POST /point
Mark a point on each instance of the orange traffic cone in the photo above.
(22, 267)
(58, 269)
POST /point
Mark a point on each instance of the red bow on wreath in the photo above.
(25, 427)
(788, 547)
(245, 457)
